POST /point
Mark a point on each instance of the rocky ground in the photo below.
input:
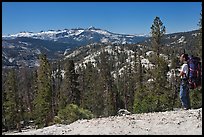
(180, 122)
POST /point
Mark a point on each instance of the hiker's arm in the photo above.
(181, 73)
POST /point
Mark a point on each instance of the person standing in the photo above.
(184, 87)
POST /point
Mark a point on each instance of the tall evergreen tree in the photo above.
(69, 92)
(25, 83)
(157, 32)
(155, 95)
(140, 103)
(11, 102)
(130, 88)
(117, 63)
(159, 73)
(162, 93)
(43, 99)
(82, 85)
(76, 94)
(91, 93)
(56, 83)
(107, 82)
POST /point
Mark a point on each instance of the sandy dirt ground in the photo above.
(180, 122)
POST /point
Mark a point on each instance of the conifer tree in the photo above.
(140, 100)
(130, 88)
(69, 92)
(119, 99)
(82, 85)
(161, 92)
(159, 73)
(43, 99)
(11, 102)
(76, 94)
(91, 93)
(56, 83)
(25, 83)
(157, 32)
(107, 84)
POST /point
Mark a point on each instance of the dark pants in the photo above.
(184, 94)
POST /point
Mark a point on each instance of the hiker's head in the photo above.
(183, 57)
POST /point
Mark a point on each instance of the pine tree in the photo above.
(130, 88)
(25, 83)
(160, 90)
(107, 84)
(43, 99)
(91, 93)
(119, 102)
(56, 83)
(140, 100)
(76, 94)
(82, 85)
(157, 32)
(154, 95)
(11, 102)
(162, 93)
(69, 92)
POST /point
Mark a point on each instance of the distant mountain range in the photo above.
(24, 47)
(80, 36)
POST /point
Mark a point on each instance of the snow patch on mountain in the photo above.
(104, 40)
(11, 60)
(73, 54)
(181, 40)
(80, 35)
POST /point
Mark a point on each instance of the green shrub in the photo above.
(57, 120)
(72, 113)
(196, 98)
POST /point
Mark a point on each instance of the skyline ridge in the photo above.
(92, 27)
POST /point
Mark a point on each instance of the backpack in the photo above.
(194, 74)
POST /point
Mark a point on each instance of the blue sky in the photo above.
(117, 17)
